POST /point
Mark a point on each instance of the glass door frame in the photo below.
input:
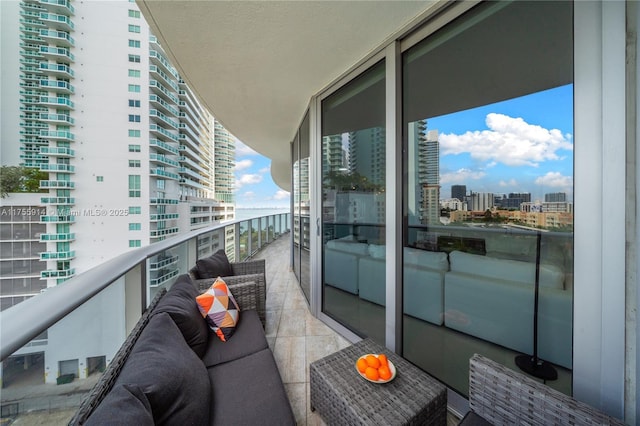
(599, 84)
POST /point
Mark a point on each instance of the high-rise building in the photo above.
(367, 154)
(92, 99)
(459, 192)
(555, 197)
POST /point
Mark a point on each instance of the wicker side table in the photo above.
(342, 397)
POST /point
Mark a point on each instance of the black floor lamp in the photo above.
(531, 364)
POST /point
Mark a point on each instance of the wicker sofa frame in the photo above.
(250, 271)
(501, 396)
(248, 293)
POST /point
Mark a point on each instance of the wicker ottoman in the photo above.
(341, 396)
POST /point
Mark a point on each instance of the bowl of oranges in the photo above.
(376, 368)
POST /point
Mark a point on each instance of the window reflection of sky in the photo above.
(519, 145)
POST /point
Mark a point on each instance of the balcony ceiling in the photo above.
(256, 64)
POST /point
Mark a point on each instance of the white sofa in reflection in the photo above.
(423, 281)
(341, 258)
(493, 299)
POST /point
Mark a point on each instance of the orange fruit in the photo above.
(372, 361)
(384, 373)
(362, 365)
(383, 360)
(372, 374)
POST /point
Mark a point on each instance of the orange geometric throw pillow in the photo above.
(220, 309)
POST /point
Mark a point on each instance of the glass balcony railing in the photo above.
(71, 331)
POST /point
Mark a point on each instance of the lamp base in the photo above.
(536, 368)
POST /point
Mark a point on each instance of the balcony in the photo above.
(52, 167)
(61, 184)
(160, 132)
(58, 200)
(57, 102)
(165, 216)
(57, 86)
(93, 292)
(58, 255)
(57, 119)
(57, 53)
(58, 219)
(57, 237)
(58, 38)
(163, 173)
(159, 158)
(58, 6)
(58, 135)
(58, 70)
(163, 146)
(58, 22)
(155, 233)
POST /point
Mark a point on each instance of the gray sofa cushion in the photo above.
(170, 374)
(267, 404)
(214, 266)
(248, 338)
(124, 405)
(180, 303)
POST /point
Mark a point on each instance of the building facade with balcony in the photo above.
(90, 97)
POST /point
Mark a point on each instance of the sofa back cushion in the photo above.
(510, 270)
(180, 304)
(349, 247)
(214, 266)
(125, 405)
(171, 376)
(428, 259)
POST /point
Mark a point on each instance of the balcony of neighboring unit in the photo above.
(58, 135)
(57, 102)
(155, 233)
(52, 167)
(57, 184)
(69, 236)
(188, 120)
(158, 73)
(163, 262)
(191, 153)
(58, 6)
(62, 119)
(57, 151)
(192, 164)
(30, 10)
(159, 59)
(33, 108)
(34, 159)
(31, 39)
(159, 158)
(58, 219)
(192, 183)
(187, 130)
(58, 200)
(58, 22)
(30, 76)
(155, 282)
(163, 201)
(30, 123)
(30, 29)
(160, 131)
(160, 89)
(165, 216)
(58, 255)
(58, 38)
(164, 174)
(30, 61)
(163, 118)
(58, 70)
(32, 93)
(57, 53)
(54, 273)
(163, 146)
(189, 172)
(159, 103)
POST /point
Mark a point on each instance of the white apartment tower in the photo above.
(91, 98)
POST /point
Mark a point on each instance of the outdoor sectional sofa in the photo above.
(174, 370)
(490, 296)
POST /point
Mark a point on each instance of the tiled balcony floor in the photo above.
(295, 336)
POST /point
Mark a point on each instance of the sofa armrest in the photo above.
(240, 291)
(109, 377)
(249, 267)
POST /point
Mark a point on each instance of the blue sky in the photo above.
(254, 186)
(520, 145)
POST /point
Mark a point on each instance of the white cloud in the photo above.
(281, 195)
(264, 170)
(243, 164)
(511, 141)
(461, 175)
(248, 179)
(511, 183)
(555, 180)
(249, 194)
(242, 149)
